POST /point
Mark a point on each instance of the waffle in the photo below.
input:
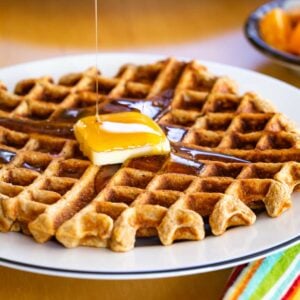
(48, 189)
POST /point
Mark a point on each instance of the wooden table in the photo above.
(31, 29)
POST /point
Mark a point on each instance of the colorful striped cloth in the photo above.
(274, 277)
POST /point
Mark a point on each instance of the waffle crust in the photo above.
(48, 189)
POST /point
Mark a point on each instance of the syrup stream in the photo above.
(154, 108)
(96, 56)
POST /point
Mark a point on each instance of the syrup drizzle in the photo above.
(41, 127)
(197, 154)
(66, 130)
(149, 107)
(185, 165)
(96, 46)
(153, 108)
(183, 159)
(104, 175)
(174, 133)
(74, 114)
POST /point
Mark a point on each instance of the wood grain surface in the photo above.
(63, 23)
(32, 29)
(21, 285)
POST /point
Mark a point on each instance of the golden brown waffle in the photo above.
(148, 198)
(49, 189)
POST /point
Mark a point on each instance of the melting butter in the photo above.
(114, 138)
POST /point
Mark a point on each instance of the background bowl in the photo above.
(251, 30)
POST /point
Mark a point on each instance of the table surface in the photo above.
(210, 30)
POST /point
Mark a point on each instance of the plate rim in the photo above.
(154, 273)
(148, 273)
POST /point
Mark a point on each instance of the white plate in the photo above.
(235, 247)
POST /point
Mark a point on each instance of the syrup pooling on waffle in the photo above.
(36, 172)
(169, 197)
(42, 173)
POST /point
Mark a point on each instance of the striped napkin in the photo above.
(274, 277)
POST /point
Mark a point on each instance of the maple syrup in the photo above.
(174, 133)
(153, 108)
(197, 154)
(42, 127)
(104, 174)
(73, 114)
(65, 130)
(185, 165)
(96, 45)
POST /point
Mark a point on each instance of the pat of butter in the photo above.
(114, 138)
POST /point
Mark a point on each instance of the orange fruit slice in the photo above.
(294, 41)
(275, 28)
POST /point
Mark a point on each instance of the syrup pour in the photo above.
(66, 131)
(96, 46)
(63, 123)
(153, 108)
(146, 107)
